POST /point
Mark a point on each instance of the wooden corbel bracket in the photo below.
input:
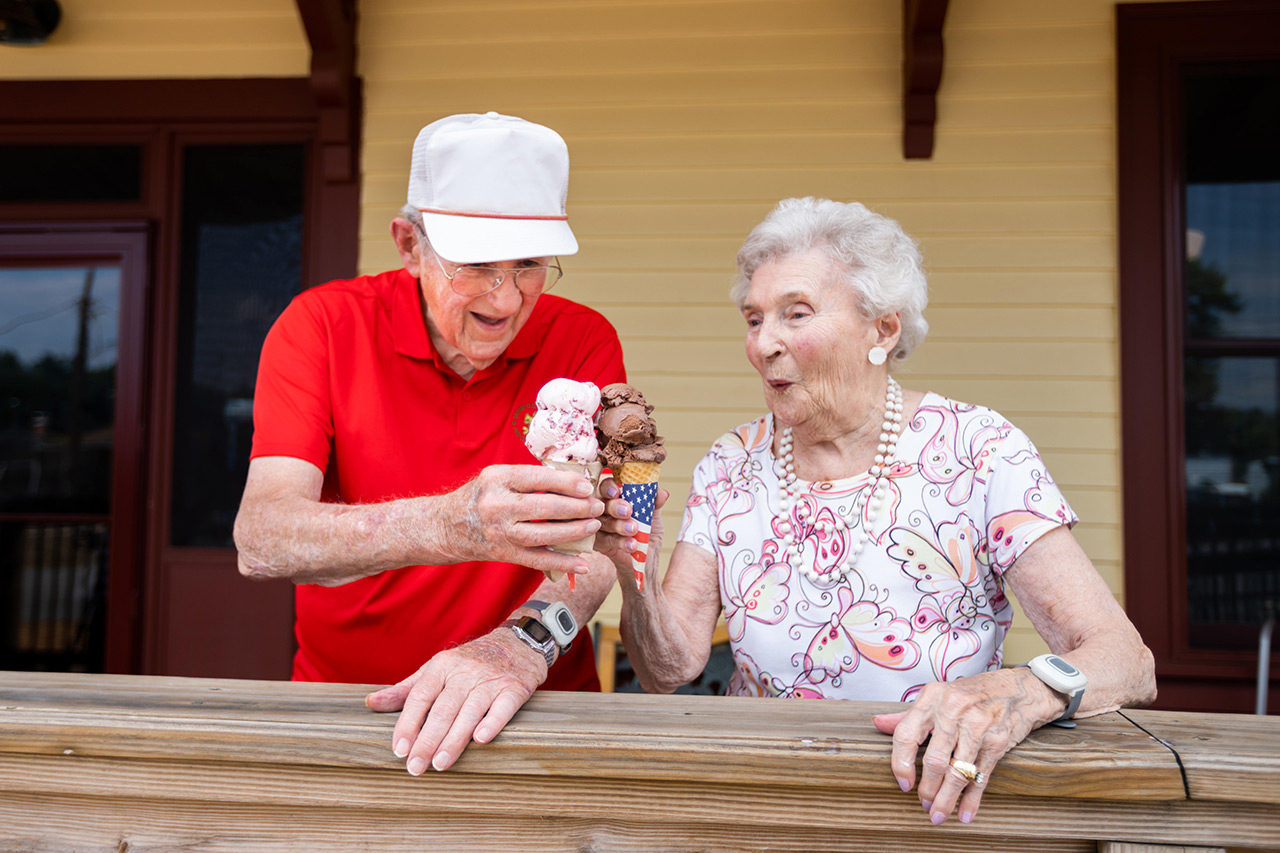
(331, 30)
(922, 60)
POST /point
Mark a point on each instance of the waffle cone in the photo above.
(637, 472)
(591, 471)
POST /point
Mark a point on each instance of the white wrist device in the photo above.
(558, 620)
(1061, 676)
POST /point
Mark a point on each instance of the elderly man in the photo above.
(389, 477)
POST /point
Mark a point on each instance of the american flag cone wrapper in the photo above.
(639, 482)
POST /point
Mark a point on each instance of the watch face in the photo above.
(536, 630)
(1062, 666)
(565, 618)
(1058, 673)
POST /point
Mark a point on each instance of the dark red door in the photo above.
(71, 376)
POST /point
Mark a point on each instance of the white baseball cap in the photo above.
(491, 187)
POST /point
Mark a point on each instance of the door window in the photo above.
(1231, 351)
(59, 371)
(1198, 113)
(241, 264)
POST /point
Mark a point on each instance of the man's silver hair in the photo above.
(871, 253)
(414, 216)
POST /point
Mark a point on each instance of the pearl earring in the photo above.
(877, 356)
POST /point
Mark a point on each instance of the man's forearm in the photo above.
(330, 544)
(589, 590)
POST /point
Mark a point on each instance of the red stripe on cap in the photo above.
(488, 215)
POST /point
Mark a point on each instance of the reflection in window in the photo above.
(1233, 260)
(58, 375)
(1233, 488)
(1231, 353)
(241, 264)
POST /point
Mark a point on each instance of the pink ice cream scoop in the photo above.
(563, 430)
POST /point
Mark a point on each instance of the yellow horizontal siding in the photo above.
(709, 183)
(697, 320)
(115, 39)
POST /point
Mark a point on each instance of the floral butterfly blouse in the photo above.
(925, 600)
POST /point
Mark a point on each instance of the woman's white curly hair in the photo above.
(873, 255)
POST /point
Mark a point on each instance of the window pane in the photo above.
(241, 264)
(53, 595)
(1232, 204)
(58, 381)
(1233, 492)
(70, 173)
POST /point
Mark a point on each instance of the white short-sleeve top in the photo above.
(967, 494)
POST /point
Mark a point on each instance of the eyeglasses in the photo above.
(474, 280)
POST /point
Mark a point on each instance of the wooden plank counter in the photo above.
(130, 763)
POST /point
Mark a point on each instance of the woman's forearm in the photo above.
(667, 628)
(1073, 610)
(1120, 669)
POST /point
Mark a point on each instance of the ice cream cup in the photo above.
(639, 484)
(591, 471)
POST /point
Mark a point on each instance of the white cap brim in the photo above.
(477, 239)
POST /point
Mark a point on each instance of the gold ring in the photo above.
(967, 770)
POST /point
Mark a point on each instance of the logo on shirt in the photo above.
(520, 420)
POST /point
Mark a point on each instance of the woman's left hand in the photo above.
(615, 539)
(976, 719)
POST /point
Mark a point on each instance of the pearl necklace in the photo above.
(785, 468)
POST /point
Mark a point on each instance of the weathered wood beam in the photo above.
(149, 763)
(922, 61)
(331, 30)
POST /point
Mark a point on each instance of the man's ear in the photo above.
(407, 243)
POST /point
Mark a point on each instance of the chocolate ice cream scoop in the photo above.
(627, 433)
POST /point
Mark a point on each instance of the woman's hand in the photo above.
(976, 719)
(617, 530)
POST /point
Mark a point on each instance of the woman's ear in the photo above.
(407, 244)
(888, 330)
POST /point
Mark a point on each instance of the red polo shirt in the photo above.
(350, 382)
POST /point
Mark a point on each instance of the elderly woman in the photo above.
(860, 536)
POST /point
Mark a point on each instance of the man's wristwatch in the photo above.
(1062, 677)
(558, 630)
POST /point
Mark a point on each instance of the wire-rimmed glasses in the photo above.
(477, 279)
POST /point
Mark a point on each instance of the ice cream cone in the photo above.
(639, 484)
(591, 471)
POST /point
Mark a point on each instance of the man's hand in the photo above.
(512, 512)
(469, 692)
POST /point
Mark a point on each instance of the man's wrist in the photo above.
(523, 651)
(433, 518)
(531, 632)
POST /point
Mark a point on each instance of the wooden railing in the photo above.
(126, 763)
